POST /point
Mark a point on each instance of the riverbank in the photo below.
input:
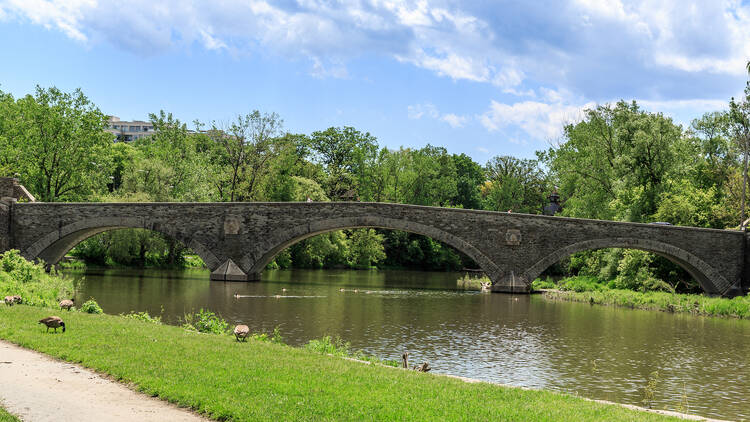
(216, 376)
(738, 307)
(7, 417)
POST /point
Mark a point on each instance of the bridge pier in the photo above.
(512, 283)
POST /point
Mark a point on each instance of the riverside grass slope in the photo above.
(252, 381)
(7, 417)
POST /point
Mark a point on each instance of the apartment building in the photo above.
(129, 131)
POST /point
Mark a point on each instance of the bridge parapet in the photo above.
(11, 190)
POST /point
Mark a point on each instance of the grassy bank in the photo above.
(30, 281)
(7, 417)
(217, 376)
(585, 291)
(472, 281)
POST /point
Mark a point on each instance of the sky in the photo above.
(479, 77)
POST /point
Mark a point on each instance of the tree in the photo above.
(514, 184)
(469, 176)
(168, 165)
(247, 148)
(614, 163)
(61, 148)
(429, 177)
(739, 117)
(347, 156)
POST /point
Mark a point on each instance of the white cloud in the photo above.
(539, 120)
(483, 150)
(453, 120)
(428, 110)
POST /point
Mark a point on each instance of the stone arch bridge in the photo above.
(237, 240)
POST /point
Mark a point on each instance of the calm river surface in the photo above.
(596, 352)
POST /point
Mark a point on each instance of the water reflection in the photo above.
(596, 352)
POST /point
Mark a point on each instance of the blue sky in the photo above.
(482, 77)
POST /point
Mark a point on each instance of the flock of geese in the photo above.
(53, 321)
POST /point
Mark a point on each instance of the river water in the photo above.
(595, 352)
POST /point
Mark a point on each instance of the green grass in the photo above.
(30, 281)
(738, 307)
(472, 282)
(227, 380)
(7, 417)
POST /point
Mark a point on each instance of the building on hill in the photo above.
(129, 131)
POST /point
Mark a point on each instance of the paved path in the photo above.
(38, 388)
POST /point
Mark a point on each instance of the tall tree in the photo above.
(247, 148)
(65, 150)
(514, 184)
(614, 163)
(347, 157)
(739, 117)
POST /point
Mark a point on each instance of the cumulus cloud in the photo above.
(429, 110)
(598, 49)
(539, 120)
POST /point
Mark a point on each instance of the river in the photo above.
(592, 351)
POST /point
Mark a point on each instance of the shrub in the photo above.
(143, 317)
(91, 307)
(30, 281)
(543, 284)
(205, 321)
(581, 284)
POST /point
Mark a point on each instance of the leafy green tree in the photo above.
(469, 176)
(59, 144)
(347, 156)
(365, 248)
(168, 166)
(248, 146)
(514, 184)
(739, 127)
(429, 177)
(614, 163)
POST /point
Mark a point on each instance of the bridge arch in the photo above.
(254, 262)
(54, 245)
(709, 278)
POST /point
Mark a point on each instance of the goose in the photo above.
(17, 299)
(241, 332)
(66, 304)
(53, 322)
(9, 300)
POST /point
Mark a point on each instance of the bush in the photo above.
(581, 284)
(143, 317)
(275, 337)
(30, 281)
(543, 284)
(91, 307)
(205, 321)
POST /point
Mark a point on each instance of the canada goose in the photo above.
(241, 332)
(66, 304)
(9, 300)
(53, 322)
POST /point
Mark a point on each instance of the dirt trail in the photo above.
(38, 388)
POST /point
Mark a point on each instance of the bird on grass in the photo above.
(66, 304)
(241, 332)
(53, 322)
(9, 301)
